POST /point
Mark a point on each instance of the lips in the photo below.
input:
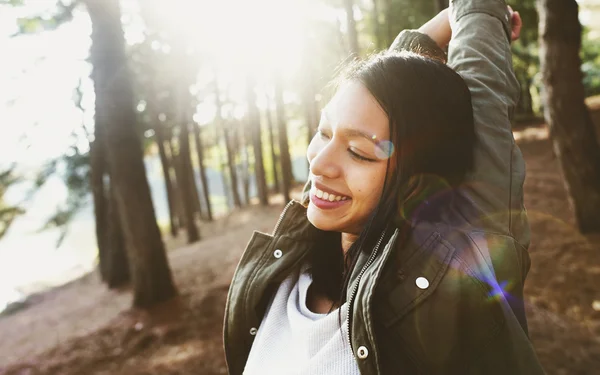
(329, 197)
(325, 193)
(325, 198)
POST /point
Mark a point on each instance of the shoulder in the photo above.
(446, 298)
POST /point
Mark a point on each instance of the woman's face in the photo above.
(348, 160)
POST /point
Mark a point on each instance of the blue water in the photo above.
(31, 262)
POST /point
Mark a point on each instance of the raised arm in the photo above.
(479, 51)
(478, 33)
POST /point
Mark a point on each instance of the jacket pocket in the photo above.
(417, 279)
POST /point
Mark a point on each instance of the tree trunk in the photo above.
(97, 173)
(186, 186)
(389, 21)
(166, 167)
(284, 149)
(525, 105)
(151, 276)
(232, 167)
(571, 127)
(377, 25)
(118, 263)
(179, 211)
(440, 5)
(220, 123)
(311, 109)
(203, 178)
(274, 158)
(351, 24)
(243, 145)
(195, 194)
(113, 262)
(254, 123)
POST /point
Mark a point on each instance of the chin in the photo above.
(320, 220)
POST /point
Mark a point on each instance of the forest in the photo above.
(184, 128)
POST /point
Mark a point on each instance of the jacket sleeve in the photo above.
(480, 52)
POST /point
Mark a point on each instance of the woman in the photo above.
(408, 253)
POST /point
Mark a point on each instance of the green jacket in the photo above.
(449, 299)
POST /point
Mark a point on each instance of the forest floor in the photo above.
(83, 328)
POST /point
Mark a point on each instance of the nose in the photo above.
(324, 160)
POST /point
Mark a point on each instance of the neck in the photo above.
(347, 241)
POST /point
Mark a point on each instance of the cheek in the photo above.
(312, 150)
(369, 185)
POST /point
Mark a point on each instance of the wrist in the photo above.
(438, 29)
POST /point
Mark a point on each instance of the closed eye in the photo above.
(359, 157)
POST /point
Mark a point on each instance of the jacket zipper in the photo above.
(355, 289)
(287, 206)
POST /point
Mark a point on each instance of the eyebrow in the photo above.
(353, 132)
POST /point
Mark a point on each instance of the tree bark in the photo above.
(220, 123)
(571, 127)
(203, 178)
(113, 262)
(118, 263)
(284, 149)
(389, 21)
(186, 186)
(274, 158)
(176, 192)
(351, 24)
(440, 5)
(231, 166)
(166, 167)
(254, 124)
(151, 276)
(242, 135)
(194, 193)
(377, 25)
(97, 173)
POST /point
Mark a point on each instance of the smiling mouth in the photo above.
(329, 196)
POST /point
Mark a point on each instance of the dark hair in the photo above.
(431, 127)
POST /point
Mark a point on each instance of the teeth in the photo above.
(329, 197)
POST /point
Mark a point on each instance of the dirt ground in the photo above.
(82, 328)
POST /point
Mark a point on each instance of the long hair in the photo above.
(432, 132)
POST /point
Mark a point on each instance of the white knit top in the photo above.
(292, 340)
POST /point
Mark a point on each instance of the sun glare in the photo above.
(253, 36)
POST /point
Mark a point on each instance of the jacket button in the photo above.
(253, 331)
(277, 253)
(422, 282)
(362, 352)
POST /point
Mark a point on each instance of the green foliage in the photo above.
(8, 213)
(61, 14)
(590, 67)
(75, 172)
(12, 2)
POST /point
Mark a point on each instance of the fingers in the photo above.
(516, 24)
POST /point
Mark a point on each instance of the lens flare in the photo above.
(384, 150)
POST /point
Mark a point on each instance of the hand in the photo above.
(438, 28)
(516, 23)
